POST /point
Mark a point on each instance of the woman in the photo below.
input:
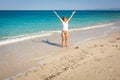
(64, 33)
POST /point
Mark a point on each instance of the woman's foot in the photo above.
(66, 46)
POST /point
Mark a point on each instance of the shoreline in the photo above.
(32, 52)
(50, 33)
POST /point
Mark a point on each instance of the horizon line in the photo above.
(55, 9)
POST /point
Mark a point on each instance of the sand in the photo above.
(96, 59)
(44, 59)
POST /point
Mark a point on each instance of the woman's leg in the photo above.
(63, 38)
(66, 39)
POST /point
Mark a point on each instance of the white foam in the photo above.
(21, 38)
(93, 27)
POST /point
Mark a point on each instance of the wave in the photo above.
(21, 38)
(14, 39)
(94, 26)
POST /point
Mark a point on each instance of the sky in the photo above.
(58, 4)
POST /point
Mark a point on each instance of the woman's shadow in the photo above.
(51, 43)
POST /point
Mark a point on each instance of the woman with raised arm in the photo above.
(64, 33)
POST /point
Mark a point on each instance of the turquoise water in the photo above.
(18, 24)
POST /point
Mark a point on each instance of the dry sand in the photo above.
(96, 59)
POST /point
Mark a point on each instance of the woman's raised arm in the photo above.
(71, 16)
(58, 16)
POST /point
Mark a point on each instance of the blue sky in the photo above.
(58, 4)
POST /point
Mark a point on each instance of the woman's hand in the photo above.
(58, 16)
(71, 16)
(73, 12)
(55, 12)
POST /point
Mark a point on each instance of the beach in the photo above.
(93, 54)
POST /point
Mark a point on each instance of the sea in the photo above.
(18, 25)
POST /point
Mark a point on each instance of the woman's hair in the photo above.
(63, 18)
